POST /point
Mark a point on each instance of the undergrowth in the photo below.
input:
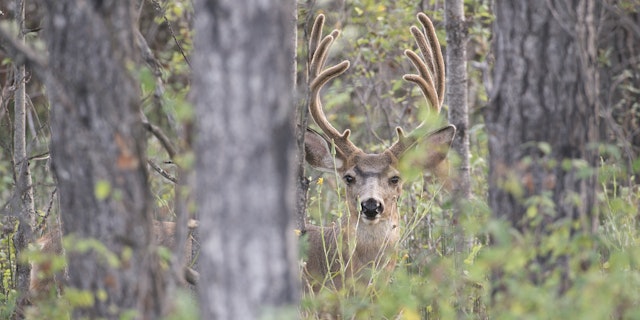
(502, 273)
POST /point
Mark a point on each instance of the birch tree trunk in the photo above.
(24, 202)
(458, 114)
(302, 121)
(98, 158)
(243, 85)
(457, 91)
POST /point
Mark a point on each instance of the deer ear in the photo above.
(438, 144)
(431, 149)
(318, 153)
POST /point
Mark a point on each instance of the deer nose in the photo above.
(371, 207)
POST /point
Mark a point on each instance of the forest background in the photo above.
(493, 246)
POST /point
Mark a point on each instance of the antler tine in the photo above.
(316, 33)
(431, 75)
(318, 52)
(436, 54)
(430, 78)
(424, 80)
(319, 56)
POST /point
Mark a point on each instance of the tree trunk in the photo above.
(457, 91)
(243, 84)
(302, 121)
(458, 116)
(542, 118)
(24, 202)
(98, 158)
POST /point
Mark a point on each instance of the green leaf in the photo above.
(78, 298)
(544, 147)
(102, 189)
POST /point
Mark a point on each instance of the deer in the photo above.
(366, 237)
(45, 277)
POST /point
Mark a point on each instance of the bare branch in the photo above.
(158, 8)
(22, 54)
(39, 228)
(164, 140)
(162, 172)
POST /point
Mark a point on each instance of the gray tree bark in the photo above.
(24, 202)
(98, 158)
(457, 92)
(243, 85)
(458, 116)
(302, 121)
(542, 118)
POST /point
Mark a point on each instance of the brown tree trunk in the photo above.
(243, 85)
(542, 118)
(98, 158)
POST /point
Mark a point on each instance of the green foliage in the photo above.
(372, 93)
(185, 306)
(52, 308)
(104, 255)
(8, 304)
(7, 259)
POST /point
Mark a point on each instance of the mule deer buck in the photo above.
(367, 236)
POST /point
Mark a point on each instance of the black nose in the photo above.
(371, 207)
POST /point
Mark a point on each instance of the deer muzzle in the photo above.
(371, 208)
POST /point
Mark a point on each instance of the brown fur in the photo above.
(43, 280)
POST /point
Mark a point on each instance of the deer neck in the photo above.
(371, 240)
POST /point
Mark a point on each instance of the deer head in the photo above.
(373, 181)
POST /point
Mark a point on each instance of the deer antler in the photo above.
(431, 78)
(318, 55)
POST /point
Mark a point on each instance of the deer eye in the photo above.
(394, 180)
(349, 179)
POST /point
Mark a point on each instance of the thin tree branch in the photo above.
(42, 223)
(158, 8)
(164, 140)
(626, 21)
(22, 54)
(162, 172)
